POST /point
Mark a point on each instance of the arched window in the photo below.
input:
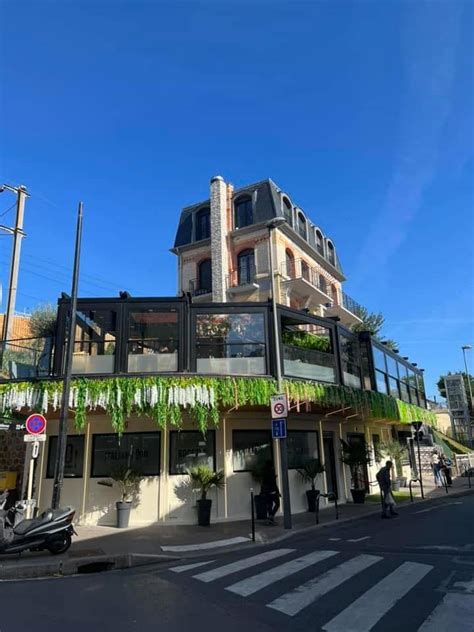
(246, 267)
(287, 211)
(319, 242)
(205, 277)
(203, 224)
(290, 264)
(305, 271)
(301, 225)
(243, 212)
(331, 255)
(323, 286)
(334, 294)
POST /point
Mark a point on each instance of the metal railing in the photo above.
(352, 305)
(195, 289)
(25, 358)
(300, 269)
(309, 356)
(243, 275)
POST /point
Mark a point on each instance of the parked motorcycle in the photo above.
(51, 531)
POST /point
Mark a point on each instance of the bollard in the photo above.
(252, 511)
(316, 512)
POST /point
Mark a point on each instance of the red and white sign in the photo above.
(35, 424)
(279, 406)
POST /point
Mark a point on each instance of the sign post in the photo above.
(35, 426)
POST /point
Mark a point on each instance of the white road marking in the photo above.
(262, 580)
(365, 612)
(367, 537)
(455, 612)
(293, 602)
(189, 567)
(334, 539)
(455, 502)
(205, 545)
(240, 565)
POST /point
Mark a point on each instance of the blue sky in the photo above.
(361, 111)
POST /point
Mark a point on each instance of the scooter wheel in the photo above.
(59, 544)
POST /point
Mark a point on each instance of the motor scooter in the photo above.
(51, 531)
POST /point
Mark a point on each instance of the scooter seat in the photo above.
(25, 526)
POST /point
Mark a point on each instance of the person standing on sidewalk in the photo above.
(436, 467)
(446, 464)
(385, 482)
(270, 491)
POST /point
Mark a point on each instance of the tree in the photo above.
(373, 323)
(43, 321)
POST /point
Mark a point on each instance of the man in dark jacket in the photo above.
(385, 482)
(270, 490)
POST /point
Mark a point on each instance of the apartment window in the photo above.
(331, 254)
(305, 271)
(301, 225)
(246, 267)
(203, 224)
(319, 242)
(74, 463)
(290, 264)
(323, 285)
(350, 361)
(249, 448)
(243, 212)
(137, 451)
(287, 211)
(231, 344)
(153, 340)
(205, 277)
(189, 448)
(95, 340)
(302, 445)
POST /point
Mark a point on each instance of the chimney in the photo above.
(219, 238)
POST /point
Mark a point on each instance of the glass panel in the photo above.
(246, 267)
(302, 446)
(301, 225)
(414, 396)
(230, 344)
(404, 392)
(94, 343)
(139, 451)
(319, 243)
(379, 359)
(250, 447)
(412, 381)
(191, 448)
(153, 341)
(381, 382)
(243, 213)
(421, 383)
(403, 372)
(203, 224)
(394, 387)
(74, 464)
(331, 257)
(307, 352)
(287, 212)
(392, 366)
(205, 277)
(377, 451)
(350, 361)
(364, 353)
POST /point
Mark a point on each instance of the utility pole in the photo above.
(18, 235)
(62, 435)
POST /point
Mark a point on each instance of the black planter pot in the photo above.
(260, 507)
(312, 496)
(123, 514)
(204, 512)
(358, 496)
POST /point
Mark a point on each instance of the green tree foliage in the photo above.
(373, 323)
(43, 321)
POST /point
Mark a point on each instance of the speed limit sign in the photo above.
(279, 406)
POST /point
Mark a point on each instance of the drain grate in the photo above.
(95, 567)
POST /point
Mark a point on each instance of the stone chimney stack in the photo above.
(219, 238)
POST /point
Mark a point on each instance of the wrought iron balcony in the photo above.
(195, 288)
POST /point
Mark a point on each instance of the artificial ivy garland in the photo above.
(165, 398)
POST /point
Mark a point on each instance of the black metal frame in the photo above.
(250, 431)
(214, 451)
(112, 434)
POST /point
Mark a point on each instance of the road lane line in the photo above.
(365, 612)
(366, 537)
(334, 539)
(455, 502)
(455, 612)
(262, 580)
(240, 565)
(293, 602)
(189, 567)
(178, 548)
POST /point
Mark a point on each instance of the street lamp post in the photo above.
(285, 485)
(417, 425)
(471, 407)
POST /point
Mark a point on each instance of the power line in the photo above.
(8, 209)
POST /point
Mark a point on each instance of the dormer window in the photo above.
(319, 242)
(287, 211)
(331, 254)
(203, 224)
(243, 212)
(301, 224)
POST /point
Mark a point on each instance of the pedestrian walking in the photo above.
(436, 467)
(385, 482)
(270, 491)
(446, 464)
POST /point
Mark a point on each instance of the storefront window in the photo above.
(139, 451)
(231, 344)
(307, 351)
(94, 342)
(350, 361)
(191, 448)
(381, 382)
(153, 341)
(74, 463)
(394, 387)
(379, 359)
(302, 445)
(250, 447)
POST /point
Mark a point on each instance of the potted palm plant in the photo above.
(396, 452)
(311, 469)
(129, 484)
(204, 478)
(357, 457)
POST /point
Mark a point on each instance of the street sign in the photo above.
(29, 438)
(279, 406)
(35, 424)
(35, 450)
(278, 428)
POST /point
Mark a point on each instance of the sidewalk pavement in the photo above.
(103, 548)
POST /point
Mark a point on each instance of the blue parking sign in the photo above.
(278, 428)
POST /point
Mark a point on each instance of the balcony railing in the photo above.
(241, 276)
(26, 358)
(352, 305)
(195, 288)
(299, 269)
(309, 364)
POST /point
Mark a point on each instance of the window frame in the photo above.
(205, 211)
(214, 451)
(50, 446)
(250, 431)
(114, 434)
(202, 290)
(299, 431)
(246, 254)
(243, 199)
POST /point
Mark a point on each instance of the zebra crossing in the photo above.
(364, 611)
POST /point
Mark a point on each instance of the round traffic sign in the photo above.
(35, 424)
(279, 408)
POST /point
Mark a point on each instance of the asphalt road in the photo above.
(414, 572)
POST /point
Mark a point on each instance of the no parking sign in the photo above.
(35, 424)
